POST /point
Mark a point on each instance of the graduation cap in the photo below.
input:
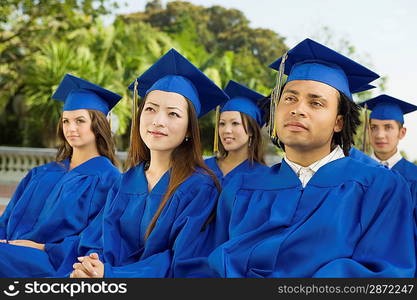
(174, 73)
(366, 87)
(77, 93)
(242, 99)
(385, 107)
(310, 60)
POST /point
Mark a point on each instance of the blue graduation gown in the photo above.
(351, 220)
(128, 214)
(52, 204)
(244, 167)
(362, 157)
(409, 171)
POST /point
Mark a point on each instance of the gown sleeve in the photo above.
(383, 247)
(386, 247)
(64, 254)
(194, 205)
(4, 218)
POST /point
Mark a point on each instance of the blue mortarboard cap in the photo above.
(310, 60)
(385, 107)
(77, 93)
(174, 73)
(366, 87)
(243, 99)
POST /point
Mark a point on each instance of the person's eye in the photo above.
(235, 123)
(316, 104)
(149, 108)
(221, 124)
(174, 114)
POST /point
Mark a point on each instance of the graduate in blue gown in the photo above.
(239, 123)
(386, 129)
(165, 198)
(58, 200)
(319, 213)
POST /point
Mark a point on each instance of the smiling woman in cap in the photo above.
(319, 213)
(164, 199)
(239, 122)
(58, 200)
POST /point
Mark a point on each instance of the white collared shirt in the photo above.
(390, 162)
(305, 173)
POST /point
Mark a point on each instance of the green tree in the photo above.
(110, 56)
(220, 42)
(26, 26)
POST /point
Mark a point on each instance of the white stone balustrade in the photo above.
(15, 162)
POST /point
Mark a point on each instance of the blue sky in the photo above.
(383, 33)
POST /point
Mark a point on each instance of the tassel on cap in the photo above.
(216, 131)
(275, 95)
(134, 108)
(365, 130)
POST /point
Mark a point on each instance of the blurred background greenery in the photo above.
(41, 41)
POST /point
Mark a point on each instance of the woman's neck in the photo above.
(160, 162)
(158, 166)
(80, 156)
(233, 159)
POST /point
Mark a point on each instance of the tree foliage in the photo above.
(41, 41)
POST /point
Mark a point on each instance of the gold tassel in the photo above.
(216, 131)
(275, 95)
(134, 108)
(109, 116)
(365, 130)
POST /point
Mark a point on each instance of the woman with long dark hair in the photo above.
(58, 200)
(168, 193)
(238, 135)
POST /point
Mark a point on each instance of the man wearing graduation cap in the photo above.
(386, 129)
(319, 213)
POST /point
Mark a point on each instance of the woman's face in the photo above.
(231, 131)
(76, 126)
(164, 120)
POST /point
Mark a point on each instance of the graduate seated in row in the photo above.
(239, 122)
(162, 202)
(319, 213)
(58, 200)
(386, 129)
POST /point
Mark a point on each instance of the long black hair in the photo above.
(346, 108)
